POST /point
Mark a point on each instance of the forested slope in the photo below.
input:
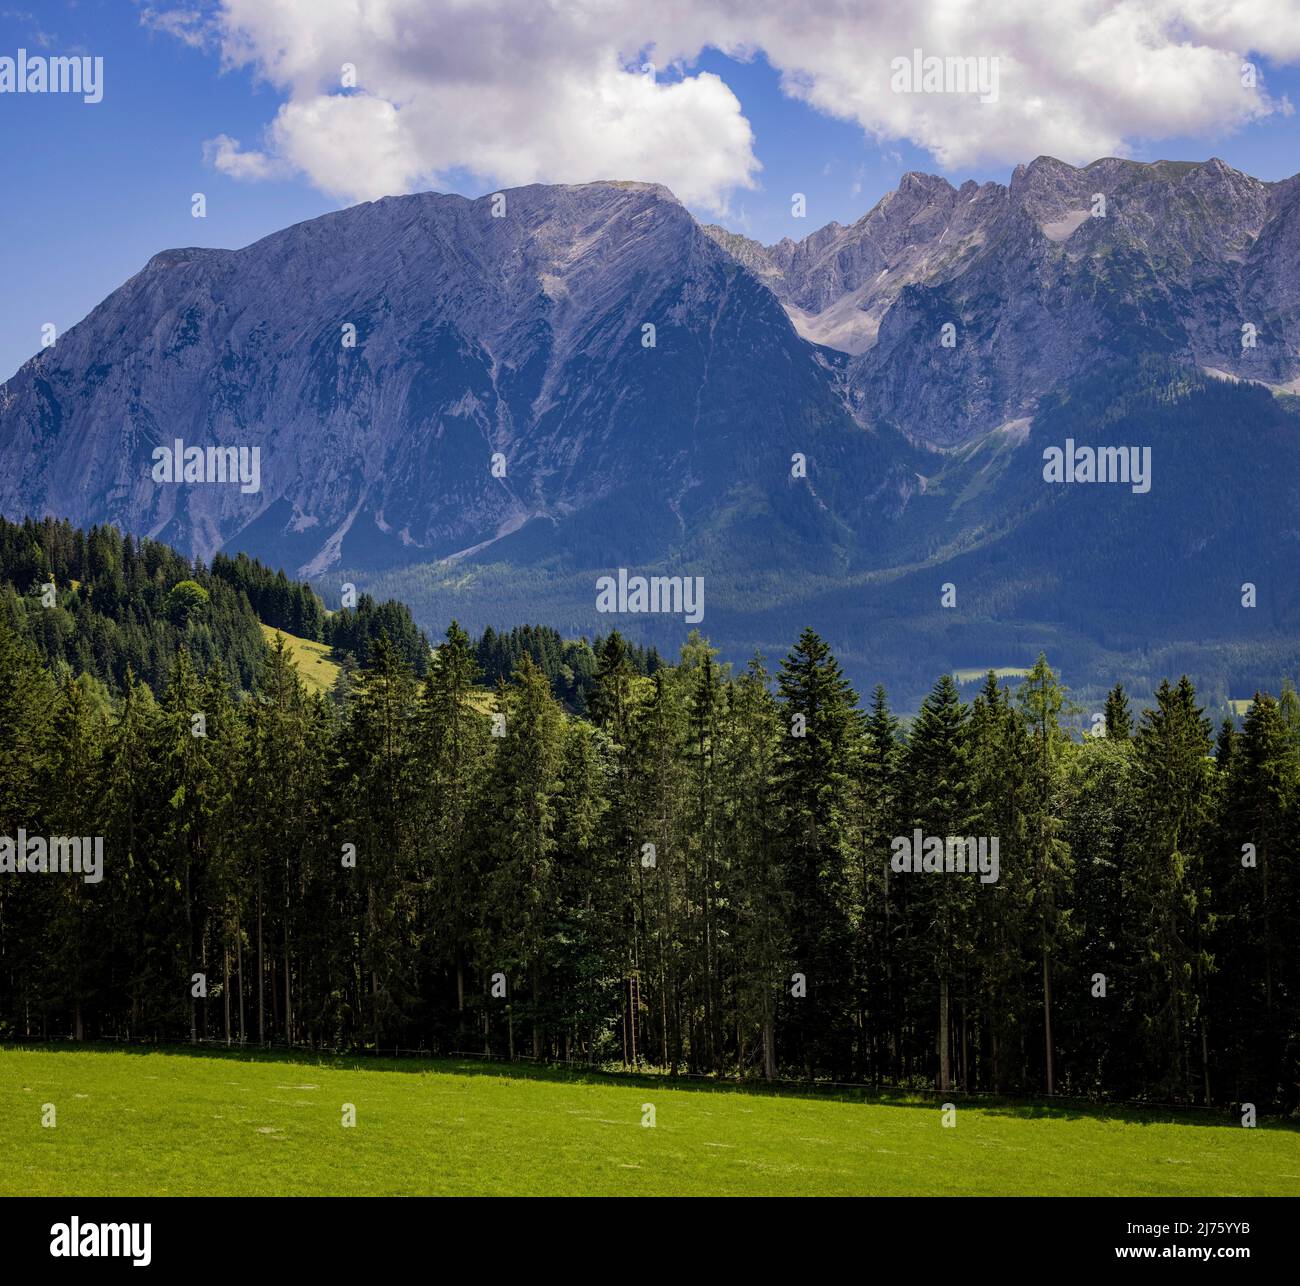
(101, 603)
(698, 875)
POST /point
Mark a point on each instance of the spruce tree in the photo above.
(1165, 888)
(877, 924)
(1042, 701)
(942, 903)
(1119, 722)
(377, 791)
(523, 886)
(816, 809)
(453, 741)
(588, 947)
(763, 952)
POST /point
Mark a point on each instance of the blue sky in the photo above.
(91, 191)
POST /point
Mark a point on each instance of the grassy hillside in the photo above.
(313, 659)
(176, 1122)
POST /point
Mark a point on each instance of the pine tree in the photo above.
(132, 823)
(705, 819)
(588, 949)
(878, 926)
(1165, 887)
(1000, 776)
(654, 804)
(614, 707)
(450, 757)
(1261, 851)
(1119, 722)
(815, 802)
(378, 793)
(26, 764)
(763, 958)
(78, 922)
(1099, 822)
(522, 891)
(1042, 700)
(941, 805)
(189, 784)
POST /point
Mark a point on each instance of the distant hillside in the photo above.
(103, 604)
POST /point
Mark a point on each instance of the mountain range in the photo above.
(482, 406)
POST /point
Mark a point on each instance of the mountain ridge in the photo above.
(1203, 248)
(593, 379)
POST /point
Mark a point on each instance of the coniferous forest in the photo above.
(694, 873)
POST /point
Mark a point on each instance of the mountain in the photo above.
(1061, 271)
(557, 382)
(520, 335)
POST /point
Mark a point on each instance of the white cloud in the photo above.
(226, 156)
(189, 26)
(1078, 79)
(517, 91)
(511, 92)
(358, 146)
(36, 33)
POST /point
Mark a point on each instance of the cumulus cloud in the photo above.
(518, 91)
(510, 92)
(225, 155)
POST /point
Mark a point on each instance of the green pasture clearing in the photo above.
(317, 671)
(182, 1122)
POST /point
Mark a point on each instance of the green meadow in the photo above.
(316, 665)
(180, 1122)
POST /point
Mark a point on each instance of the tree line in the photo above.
(117, 603)
(101, 603)
(695, 875)
(570, 665)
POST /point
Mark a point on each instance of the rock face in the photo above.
(592, 337)
(1061, 271)
(587, 379)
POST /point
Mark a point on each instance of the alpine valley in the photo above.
(828, 431)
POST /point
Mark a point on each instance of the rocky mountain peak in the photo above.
(1178, 256)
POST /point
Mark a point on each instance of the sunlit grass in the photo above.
(317, 670)
(182, 1122)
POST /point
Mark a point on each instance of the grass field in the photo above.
(176, 1122)
(317, 671)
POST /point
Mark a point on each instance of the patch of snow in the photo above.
(843, 325)
(1063, 228)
